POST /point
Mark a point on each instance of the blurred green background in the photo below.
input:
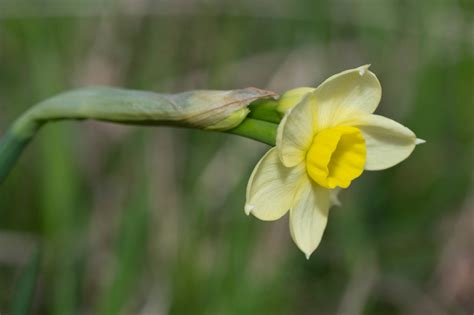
(136, 220)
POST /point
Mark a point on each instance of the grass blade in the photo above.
(23, 296)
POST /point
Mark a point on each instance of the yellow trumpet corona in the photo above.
(336, 157)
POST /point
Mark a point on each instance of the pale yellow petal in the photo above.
(308, 217)
(349, 93)
(272, 186)
(388, 142)
(295, 132)
(290, 98)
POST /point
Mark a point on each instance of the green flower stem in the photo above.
(11, 146)
(259, 130)
(15, 140)
(223, 111)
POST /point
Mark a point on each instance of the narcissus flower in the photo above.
(327, 138)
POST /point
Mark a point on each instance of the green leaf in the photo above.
(23, 296)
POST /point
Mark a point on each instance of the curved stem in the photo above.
(193, 109)
(11, 146)
(14, 141)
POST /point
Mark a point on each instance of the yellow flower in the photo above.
(326, 139)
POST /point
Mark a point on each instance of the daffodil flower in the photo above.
(327, 138)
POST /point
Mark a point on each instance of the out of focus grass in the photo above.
(150, 220)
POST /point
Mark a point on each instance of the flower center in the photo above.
(336, 156)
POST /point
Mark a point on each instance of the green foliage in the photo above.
(23, 296)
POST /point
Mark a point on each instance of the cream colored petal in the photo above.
(295, 132)
(388, 142)
(346, 94)
(309, 216)
(292, 97)
(272, 186)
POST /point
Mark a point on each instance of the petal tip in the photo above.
(334, 198)
(419, 141)
(248, 209)
(363, 69)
